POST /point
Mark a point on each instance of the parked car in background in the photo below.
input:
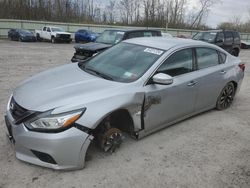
(107, 39)
(166, 35)
(136, 87)
(21, 35)
(245, 44)
(53, 34)
(227, 39)
(83, 35)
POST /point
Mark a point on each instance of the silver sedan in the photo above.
(137, 87)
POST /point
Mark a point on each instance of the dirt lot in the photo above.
(209, 150)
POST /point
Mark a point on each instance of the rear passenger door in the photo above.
(210, 76)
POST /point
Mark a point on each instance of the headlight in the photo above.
(54, 122)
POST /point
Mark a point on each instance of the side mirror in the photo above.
(162, 79)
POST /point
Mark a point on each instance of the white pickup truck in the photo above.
(53, 34)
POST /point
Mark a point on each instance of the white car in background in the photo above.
(166, 35)
(53, 34)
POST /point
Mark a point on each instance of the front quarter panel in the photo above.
(96, 111)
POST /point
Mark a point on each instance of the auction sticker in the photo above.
(153, 51)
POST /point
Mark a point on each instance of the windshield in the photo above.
(205, 36)
(123, 63)
(110, 37)
(25, 32)
(55, 29)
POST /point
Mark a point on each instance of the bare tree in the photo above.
(111, 11)
(204, 9)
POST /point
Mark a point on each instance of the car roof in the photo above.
(166, 43)
(219, 30)
(52, 26)
(131, 30)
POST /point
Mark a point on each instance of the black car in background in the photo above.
(107, 39)
(227, 39)
(21, 35)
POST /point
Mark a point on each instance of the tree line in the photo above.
(151, 13)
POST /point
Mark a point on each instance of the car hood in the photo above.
(61, 32)
(91, 46)
(61, 86)
(27, 34)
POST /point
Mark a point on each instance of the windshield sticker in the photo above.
(153, 51)
(128, 74)
(212, 33)
(120, 32)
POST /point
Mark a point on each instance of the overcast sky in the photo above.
(225, 10)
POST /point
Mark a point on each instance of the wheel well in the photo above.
(237, 50)
(120, 119)
(235, 85)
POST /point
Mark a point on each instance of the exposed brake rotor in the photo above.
(111, 140)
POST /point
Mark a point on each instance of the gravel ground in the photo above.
(208, 150)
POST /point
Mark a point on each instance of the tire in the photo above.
(235, 52)
(53, 40)
(38, 38)
(110, 140)
(20, 39)
(226, 97)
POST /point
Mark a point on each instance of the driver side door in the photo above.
(167, 103)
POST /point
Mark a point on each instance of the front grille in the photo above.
(64, 36)
(16, 110)
(19, 113)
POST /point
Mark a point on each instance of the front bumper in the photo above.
(62, 151)
(28, 39)
(60, 39)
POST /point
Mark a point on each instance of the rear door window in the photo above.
(206, 57)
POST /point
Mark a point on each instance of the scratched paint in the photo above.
(151, 100)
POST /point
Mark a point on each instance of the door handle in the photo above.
(192, 83)
(223, 72)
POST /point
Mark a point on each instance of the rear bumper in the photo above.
(65, 150)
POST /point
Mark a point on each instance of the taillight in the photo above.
(242, 66)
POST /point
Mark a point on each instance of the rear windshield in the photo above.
(110, 37)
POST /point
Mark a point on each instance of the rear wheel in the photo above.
(38, 38)
(226, 97)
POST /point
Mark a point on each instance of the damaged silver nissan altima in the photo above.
(137, 87)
